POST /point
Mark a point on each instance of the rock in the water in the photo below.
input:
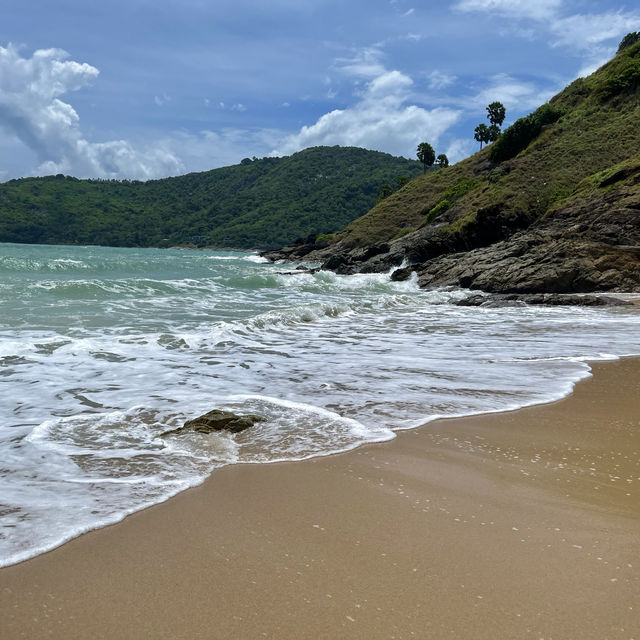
(549, 299)
(402, 274)
(217, 420)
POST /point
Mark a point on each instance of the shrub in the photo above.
(626, 80)
(438, 210)
(629, 40)
(450, 197)
(522, 132)
(325, 239)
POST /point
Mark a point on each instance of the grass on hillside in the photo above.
(599, 129)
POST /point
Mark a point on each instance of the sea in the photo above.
(104, 349)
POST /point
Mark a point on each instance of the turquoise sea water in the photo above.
(103, 349)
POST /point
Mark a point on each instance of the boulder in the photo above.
(399, 275)
(217, 420)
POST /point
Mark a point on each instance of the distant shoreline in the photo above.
(179, 247)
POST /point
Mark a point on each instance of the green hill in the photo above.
(256, 204)
(553, 204)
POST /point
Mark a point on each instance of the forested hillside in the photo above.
(259, 203)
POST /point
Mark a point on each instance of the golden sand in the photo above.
(523, 524)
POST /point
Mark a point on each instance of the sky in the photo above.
(144, 89)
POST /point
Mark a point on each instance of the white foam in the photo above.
(331, 361)
(256, 259)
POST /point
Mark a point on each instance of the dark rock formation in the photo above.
(551, 299)
(587, 244)
(404, 273)
(298, 271)
(217, 420)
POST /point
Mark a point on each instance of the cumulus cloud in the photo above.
(31, 110)
(383, 119)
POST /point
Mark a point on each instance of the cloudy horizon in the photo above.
(145, 90)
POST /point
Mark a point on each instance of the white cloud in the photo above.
(586, 31)
(592, 37)
(162, 100)
(594, 62)
(31, 110)
(206, 149)
(383, 119)
(534, 9)
(513, 93)
(439, 80)
(365, 63)
(460, 148)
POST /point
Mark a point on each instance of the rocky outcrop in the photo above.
(590, 242)
(217, 420)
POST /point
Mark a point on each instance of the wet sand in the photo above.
(517, 525)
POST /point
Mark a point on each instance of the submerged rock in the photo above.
(217, 420)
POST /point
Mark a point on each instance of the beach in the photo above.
(512, 525)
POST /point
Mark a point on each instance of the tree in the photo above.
(426, 155)
(493, 132)
(628, 40)
(482, 134)
(496, 114)
(384, 191)
(443, 161)
(401, 181)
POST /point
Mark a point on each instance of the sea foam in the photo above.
(102, 350)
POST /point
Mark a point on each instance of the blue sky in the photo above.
(147, 89)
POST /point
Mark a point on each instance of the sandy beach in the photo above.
(524, 524)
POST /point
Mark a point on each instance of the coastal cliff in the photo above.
(552, 206)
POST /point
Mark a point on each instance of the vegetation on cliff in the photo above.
(546, 164)
(255, 204)
(532, 201)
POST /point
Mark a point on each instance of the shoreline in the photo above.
(533, 403)
(499, 525)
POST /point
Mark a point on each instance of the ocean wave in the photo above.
(97, 363)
